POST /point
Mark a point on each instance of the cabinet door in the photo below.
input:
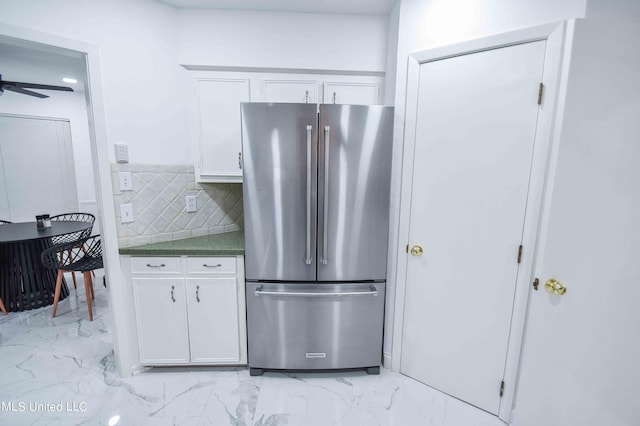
(218, 121)
(351, 93)
(161, 317)
(290, 91)
(213, 320)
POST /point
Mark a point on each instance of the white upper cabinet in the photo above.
(215, 117)
(351, 93)
(218, 128)
(290, 91)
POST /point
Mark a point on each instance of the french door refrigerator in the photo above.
(316, 184)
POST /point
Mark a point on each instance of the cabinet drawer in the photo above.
(211, 265)
(155, 265)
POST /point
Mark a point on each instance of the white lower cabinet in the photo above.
(161, 314)
(196, 316)
(212, 310)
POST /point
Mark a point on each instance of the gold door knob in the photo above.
(416, 250)
(554, 286)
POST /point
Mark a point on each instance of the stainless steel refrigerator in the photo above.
(316, 220)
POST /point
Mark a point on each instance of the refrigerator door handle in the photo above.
(325, 237)
(370, 292)
(308, 260)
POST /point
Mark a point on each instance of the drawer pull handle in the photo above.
(172, 297)
(198, 293)
(162, 265)
(259, 292)
(212, 266)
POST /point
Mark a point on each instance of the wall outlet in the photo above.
(126, 213)
(122, 153)
(126, 183)
(192, 206)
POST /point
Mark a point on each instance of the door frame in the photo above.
(120, 301)
(554, 34)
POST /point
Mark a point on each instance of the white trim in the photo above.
(537, 185)
(386, 360)
(406, 185)
(282, 70)
(34, 117)
(525, 35)
(554, 34)
(100, 158)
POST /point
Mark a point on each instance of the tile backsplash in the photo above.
(159, 204)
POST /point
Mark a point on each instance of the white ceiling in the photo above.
(352, 7)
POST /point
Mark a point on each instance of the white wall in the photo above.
(282, 40)
(142, 43)
(144, 105)
(628, 10)
(392, 55)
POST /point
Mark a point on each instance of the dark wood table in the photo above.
(24, 281)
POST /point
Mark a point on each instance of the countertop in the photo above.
(225, 244)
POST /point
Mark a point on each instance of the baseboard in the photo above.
(138, 369)
(386, 361)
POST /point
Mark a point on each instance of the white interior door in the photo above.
(581, 350)
(475, 132)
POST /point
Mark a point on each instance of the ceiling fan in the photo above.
(18, 87)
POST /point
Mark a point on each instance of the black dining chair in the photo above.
(2, 308)
(74, 236)
(84, 255)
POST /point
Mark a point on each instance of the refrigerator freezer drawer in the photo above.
(315, 326)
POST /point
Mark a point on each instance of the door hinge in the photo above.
(519, 254)
(501, 388)
(406, 249)
(540, 90)
(536, 283)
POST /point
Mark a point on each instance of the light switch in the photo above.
(126, 213)
(125, 181)
(122, 153)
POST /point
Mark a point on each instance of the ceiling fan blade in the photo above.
(24, 91)
(8, 84)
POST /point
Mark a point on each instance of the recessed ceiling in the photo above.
(351, 7)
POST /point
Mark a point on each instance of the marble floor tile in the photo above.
(61, 371)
